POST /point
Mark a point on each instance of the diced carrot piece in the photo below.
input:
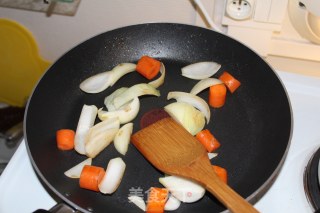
(148, 67)
(217, 95)
(207, 139)
(157, 199)
(221, 172)
(90, 177)
(231, 82)
(65, 139)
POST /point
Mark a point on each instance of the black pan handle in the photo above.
(59, 208)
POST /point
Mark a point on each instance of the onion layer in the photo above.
(189, 117)
(99, 82)
(100, 136)
(212, 155)
(112, 179)
(200, 70)
(86, 121)
(122, 138)
(75, 171)
(183, 189)
(204, 84)
(172, 203)
(108, 101)
(194, 100)
(158, 82)
(126, 114)
(134, 91)
(138, 201)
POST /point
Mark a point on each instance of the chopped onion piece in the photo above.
(121, 70)
(134, 91)
(194, 100)
(183, 189)
(122, 138)
(98, 142)
(100, 136)
(172, 203)
(204, 84)
(108, 101)
(114, 172)
(212, 155)
(138, 201)
(99, 82)
(158, 82)
(86, 121)
(200, 70)
(126, 114)
(189, 117)
(75, 171)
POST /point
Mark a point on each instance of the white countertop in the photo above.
(22, 192)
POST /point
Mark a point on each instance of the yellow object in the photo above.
(20, 64)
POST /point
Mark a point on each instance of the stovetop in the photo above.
(21, 190)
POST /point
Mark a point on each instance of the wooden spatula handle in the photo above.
(227, 196)
(233, 201)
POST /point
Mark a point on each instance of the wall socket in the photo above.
(62, 7)
(239, 9)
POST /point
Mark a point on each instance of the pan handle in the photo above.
(59, 208)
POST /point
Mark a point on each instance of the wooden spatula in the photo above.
(173, 150)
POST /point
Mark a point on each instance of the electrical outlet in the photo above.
(239, 9)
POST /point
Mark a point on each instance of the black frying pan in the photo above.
(254, 126)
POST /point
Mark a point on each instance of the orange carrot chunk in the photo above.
(208, 140)
(217, 95)
(65, 139)
(156, 200)
(229, 81)
(221, 172)
(90, 177)
(148, 67)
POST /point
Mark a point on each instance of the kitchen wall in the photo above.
(57, 34)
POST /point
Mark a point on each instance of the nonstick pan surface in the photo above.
(254, 127)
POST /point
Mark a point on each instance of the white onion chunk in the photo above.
(200, 70)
